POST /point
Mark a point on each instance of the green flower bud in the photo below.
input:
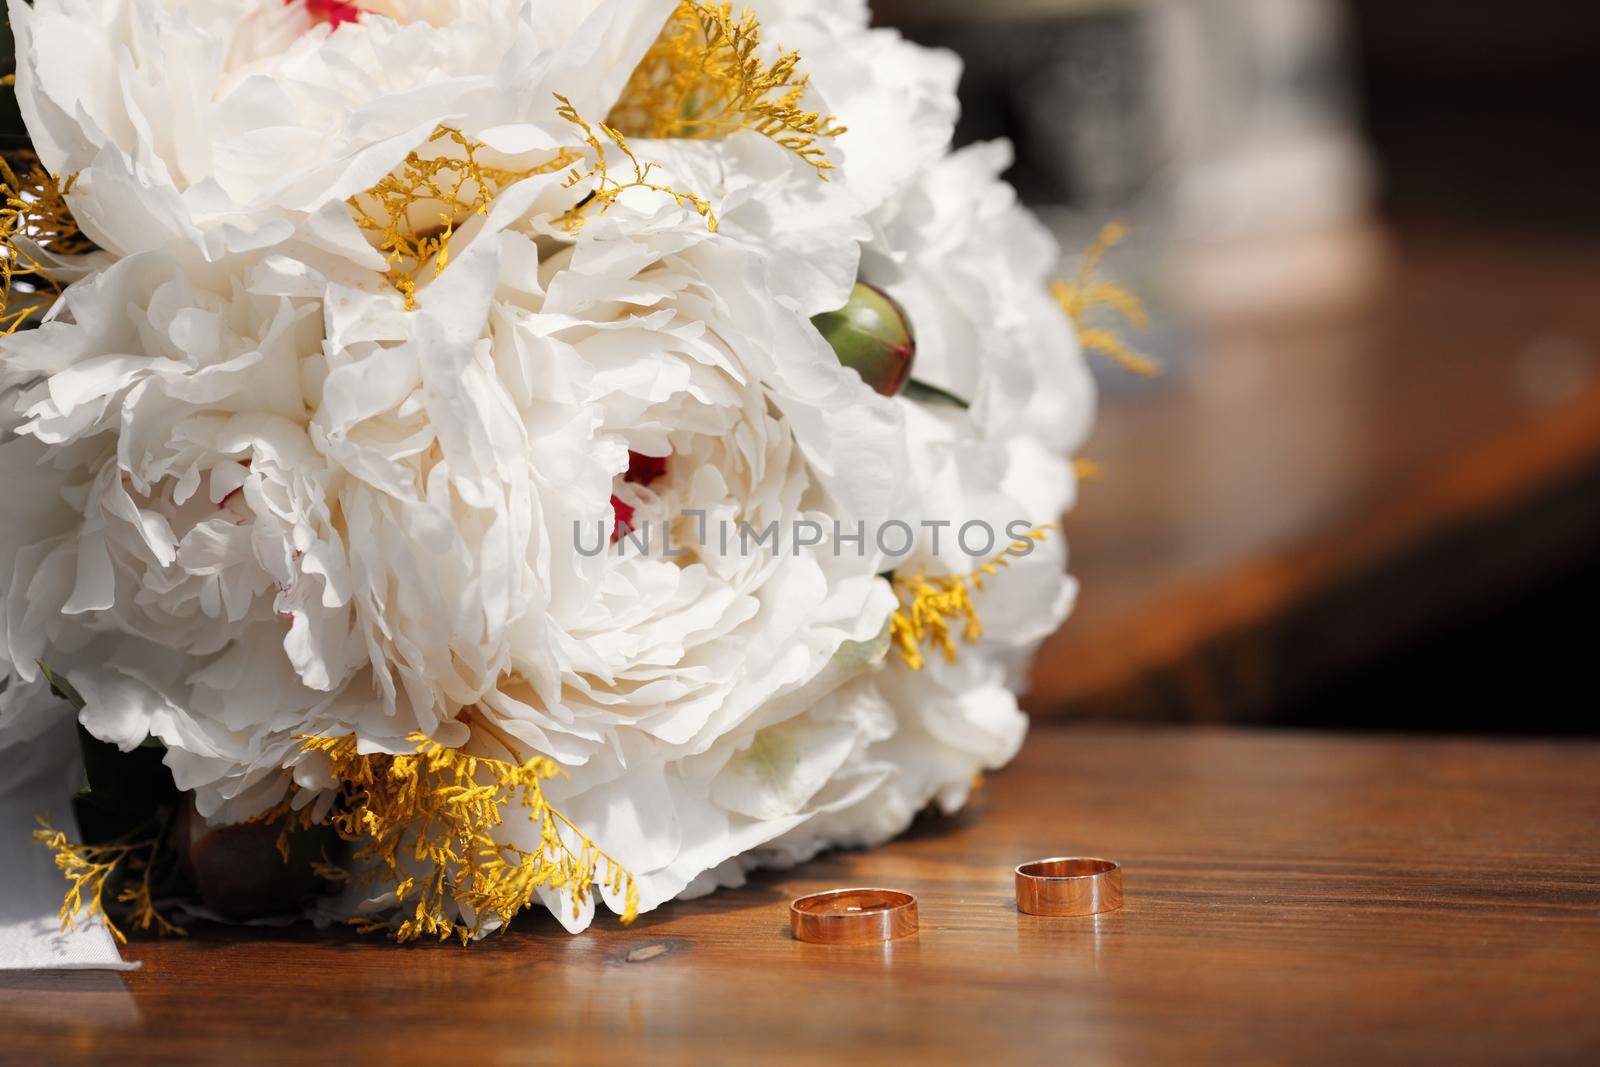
(872, 337)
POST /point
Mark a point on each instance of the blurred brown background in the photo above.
(1366, 492)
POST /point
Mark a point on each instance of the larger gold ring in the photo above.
(853, 916)
(1069, 885)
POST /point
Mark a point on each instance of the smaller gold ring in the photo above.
(853, 916)
(1069, 885)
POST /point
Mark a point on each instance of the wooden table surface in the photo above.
(1290, 898)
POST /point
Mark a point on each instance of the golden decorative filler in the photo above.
(414, 211)
(702, 79)
(91, 870)
(422, 825)
(1085, 293)
(607, 188)
(931, 608)
(35, 221)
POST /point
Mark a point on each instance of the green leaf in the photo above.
(10, 114)
(121, 779)
(61, 687)
(121, 790)
(923, 393)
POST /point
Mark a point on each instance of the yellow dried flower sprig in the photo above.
(1077, 298)
(91, 870)
(422, 824)
(933, 611)
(34, 216)
(415, 210)
(608, 188)
(703, 79)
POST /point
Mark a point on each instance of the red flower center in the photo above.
(333, 12)
(642, 470)
(622, 517)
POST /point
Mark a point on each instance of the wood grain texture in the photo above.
(1340, 474)
(1290, 898)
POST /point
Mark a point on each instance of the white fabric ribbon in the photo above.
(39, 778)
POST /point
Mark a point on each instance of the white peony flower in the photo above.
(586, 484)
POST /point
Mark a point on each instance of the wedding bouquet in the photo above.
(464, 454)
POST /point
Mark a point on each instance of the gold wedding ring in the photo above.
(853, 916)
(1069, 885)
